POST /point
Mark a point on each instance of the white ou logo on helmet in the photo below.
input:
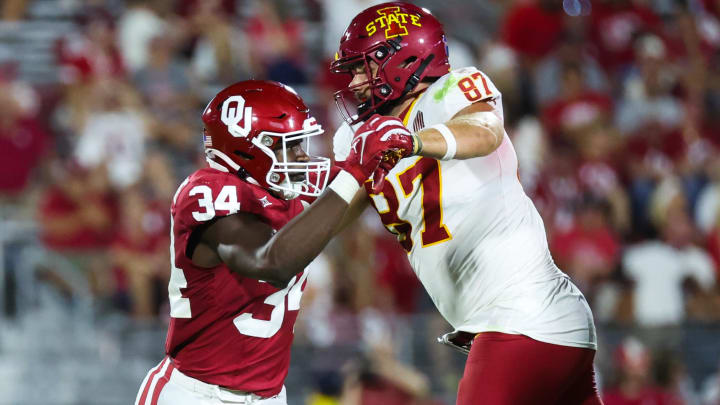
(234, 111)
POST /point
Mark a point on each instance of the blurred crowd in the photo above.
(613, 107)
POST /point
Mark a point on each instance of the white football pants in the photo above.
(166, 385)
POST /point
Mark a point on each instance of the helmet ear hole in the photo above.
(407, 62)
(244, 155)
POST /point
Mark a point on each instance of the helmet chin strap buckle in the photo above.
(291, 189)
(287, 189)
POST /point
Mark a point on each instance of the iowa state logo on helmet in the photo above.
(393, 22)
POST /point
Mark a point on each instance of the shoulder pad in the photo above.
(208, 194)
(460, 88)
(342, 140)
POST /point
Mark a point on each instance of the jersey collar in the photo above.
(405, 115)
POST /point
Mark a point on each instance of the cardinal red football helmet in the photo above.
(247, 122)
(405, 41)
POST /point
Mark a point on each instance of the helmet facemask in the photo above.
(352, 109)
(407, 73)
(314, 172)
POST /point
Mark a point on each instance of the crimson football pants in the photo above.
(504, 369)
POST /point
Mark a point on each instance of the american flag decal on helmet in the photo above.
(419, 122)
(207, 140)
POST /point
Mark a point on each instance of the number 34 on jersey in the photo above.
(245, 322)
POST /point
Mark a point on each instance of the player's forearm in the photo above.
(472, 138)
(303, 238)
(292, 248)
(358, 204)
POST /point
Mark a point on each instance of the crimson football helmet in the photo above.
(405, 41)
(248, 121)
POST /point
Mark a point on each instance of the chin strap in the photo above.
(409, 85)
(415, 77)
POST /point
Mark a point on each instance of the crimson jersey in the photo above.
(226, 329)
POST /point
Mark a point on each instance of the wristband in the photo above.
(345, 186)
(449, 140)
(417, 144)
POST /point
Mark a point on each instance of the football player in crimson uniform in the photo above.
(242, 231)
(473, 237)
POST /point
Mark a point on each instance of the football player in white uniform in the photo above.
(474, 238)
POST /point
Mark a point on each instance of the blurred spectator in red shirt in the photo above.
(576, 107)
(557, 189)
(587, 166)
(533, 27)
(77, 220)
(693, 31)
(83, 58)
(599, 172)
(139, 253)
(589, 250)
(91, 53)
(23, 141)
(713, 248)
(614, 26)
(635, 385)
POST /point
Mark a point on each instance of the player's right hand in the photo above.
(377, 146)
(392, 129)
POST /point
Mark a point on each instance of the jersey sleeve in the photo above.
(461, 88)
(341, 142)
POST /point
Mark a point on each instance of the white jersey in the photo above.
(474, 238)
